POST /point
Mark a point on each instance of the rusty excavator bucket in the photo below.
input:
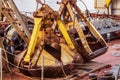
(51, 42)
(58, 41)
(86, 39)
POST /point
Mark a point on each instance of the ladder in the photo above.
(10, 11)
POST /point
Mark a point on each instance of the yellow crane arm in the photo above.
(34, 36)
(65, 34)
(108, 3)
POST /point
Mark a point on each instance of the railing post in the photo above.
(0, 63)
(42, 71)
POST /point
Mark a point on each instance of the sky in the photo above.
(30, 5)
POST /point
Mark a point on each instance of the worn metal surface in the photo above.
(54, 44)
(78, 29)
(11, 20)
(62, 46)
(15, 9)
(10, 15)
(0, 9)
(59, 46)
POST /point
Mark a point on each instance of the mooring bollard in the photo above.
(108, 75)
(0, 63)
(92, 76)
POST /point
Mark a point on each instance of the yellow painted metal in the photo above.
(79, 29)
(67, 56)
(65, 34)
(108, 3)
(39, 48)
(67, 49)
(48, 61)
(96, 33)
(90, 26)
(33, 41)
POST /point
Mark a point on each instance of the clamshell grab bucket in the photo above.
(87, 40)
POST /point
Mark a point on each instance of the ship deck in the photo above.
(112, 56)
(98, 65)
